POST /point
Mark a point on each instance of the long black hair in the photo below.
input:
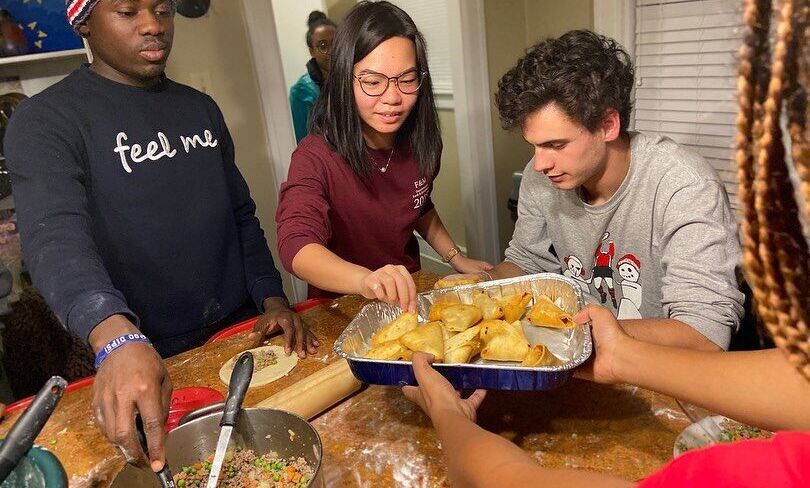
(316, 19)
(335, 116)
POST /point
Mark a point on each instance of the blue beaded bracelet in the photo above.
(115, 344)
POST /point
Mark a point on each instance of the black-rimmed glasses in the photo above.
(375, 84)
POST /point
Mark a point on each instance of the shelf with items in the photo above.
(32, 73)
(39, 57)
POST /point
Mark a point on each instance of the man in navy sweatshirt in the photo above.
(135, 221)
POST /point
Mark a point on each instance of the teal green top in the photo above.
(302, 97)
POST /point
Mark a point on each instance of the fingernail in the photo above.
(157, 466)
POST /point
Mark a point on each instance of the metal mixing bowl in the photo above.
(261, 429)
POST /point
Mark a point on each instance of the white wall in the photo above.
(214, 54)
(291, 27)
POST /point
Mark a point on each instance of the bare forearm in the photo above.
(506, 270)
(324, 269)
(432, 229)
(668, 332)
(477, 458)
(473, 454)
(756, 387)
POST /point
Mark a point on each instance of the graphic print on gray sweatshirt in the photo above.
(665, 245)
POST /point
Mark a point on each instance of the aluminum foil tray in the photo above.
(572, 346)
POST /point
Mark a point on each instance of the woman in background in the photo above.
(305, 91)
(359, 185)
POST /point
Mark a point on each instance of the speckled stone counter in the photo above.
(378, 438)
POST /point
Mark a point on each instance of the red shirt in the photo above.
(782, 461)
(369, 223)
(603, 258)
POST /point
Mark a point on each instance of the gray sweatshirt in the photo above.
(664, 246)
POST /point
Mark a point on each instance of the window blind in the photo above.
(431, 19)
(686, 76)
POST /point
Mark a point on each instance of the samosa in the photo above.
(390, 351)
(539, 355)
(491, 328)
(462, 347)
(393, 330)
(506, 346)
(464, 353)
(440, 304)
(469, 335)
(428, 338)
(446, 334)
(460, 317)
(451, 282)
(546, 313)
(514, 306)
(489, 308)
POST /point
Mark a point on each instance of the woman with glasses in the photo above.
(320, 33)
(359, 185)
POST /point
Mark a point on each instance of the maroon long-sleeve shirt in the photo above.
(369, 223)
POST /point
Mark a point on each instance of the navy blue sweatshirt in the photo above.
(129, 202)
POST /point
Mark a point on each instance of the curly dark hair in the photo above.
(584, 73)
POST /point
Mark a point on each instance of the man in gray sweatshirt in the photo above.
(642, 224)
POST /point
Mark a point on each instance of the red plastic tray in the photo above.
(23, 404)
(248, 324)
(185, 400)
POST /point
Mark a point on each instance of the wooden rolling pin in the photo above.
(317, 392)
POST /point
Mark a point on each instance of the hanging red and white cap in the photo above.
(79, 10)
(631, 260)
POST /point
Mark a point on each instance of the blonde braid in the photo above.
(795, 268)
(797, 107)
(755, 16)
(800, 150)
(783, 257)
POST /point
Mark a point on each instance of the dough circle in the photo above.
(266, 375)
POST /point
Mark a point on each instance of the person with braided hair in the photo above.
(766, 388)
